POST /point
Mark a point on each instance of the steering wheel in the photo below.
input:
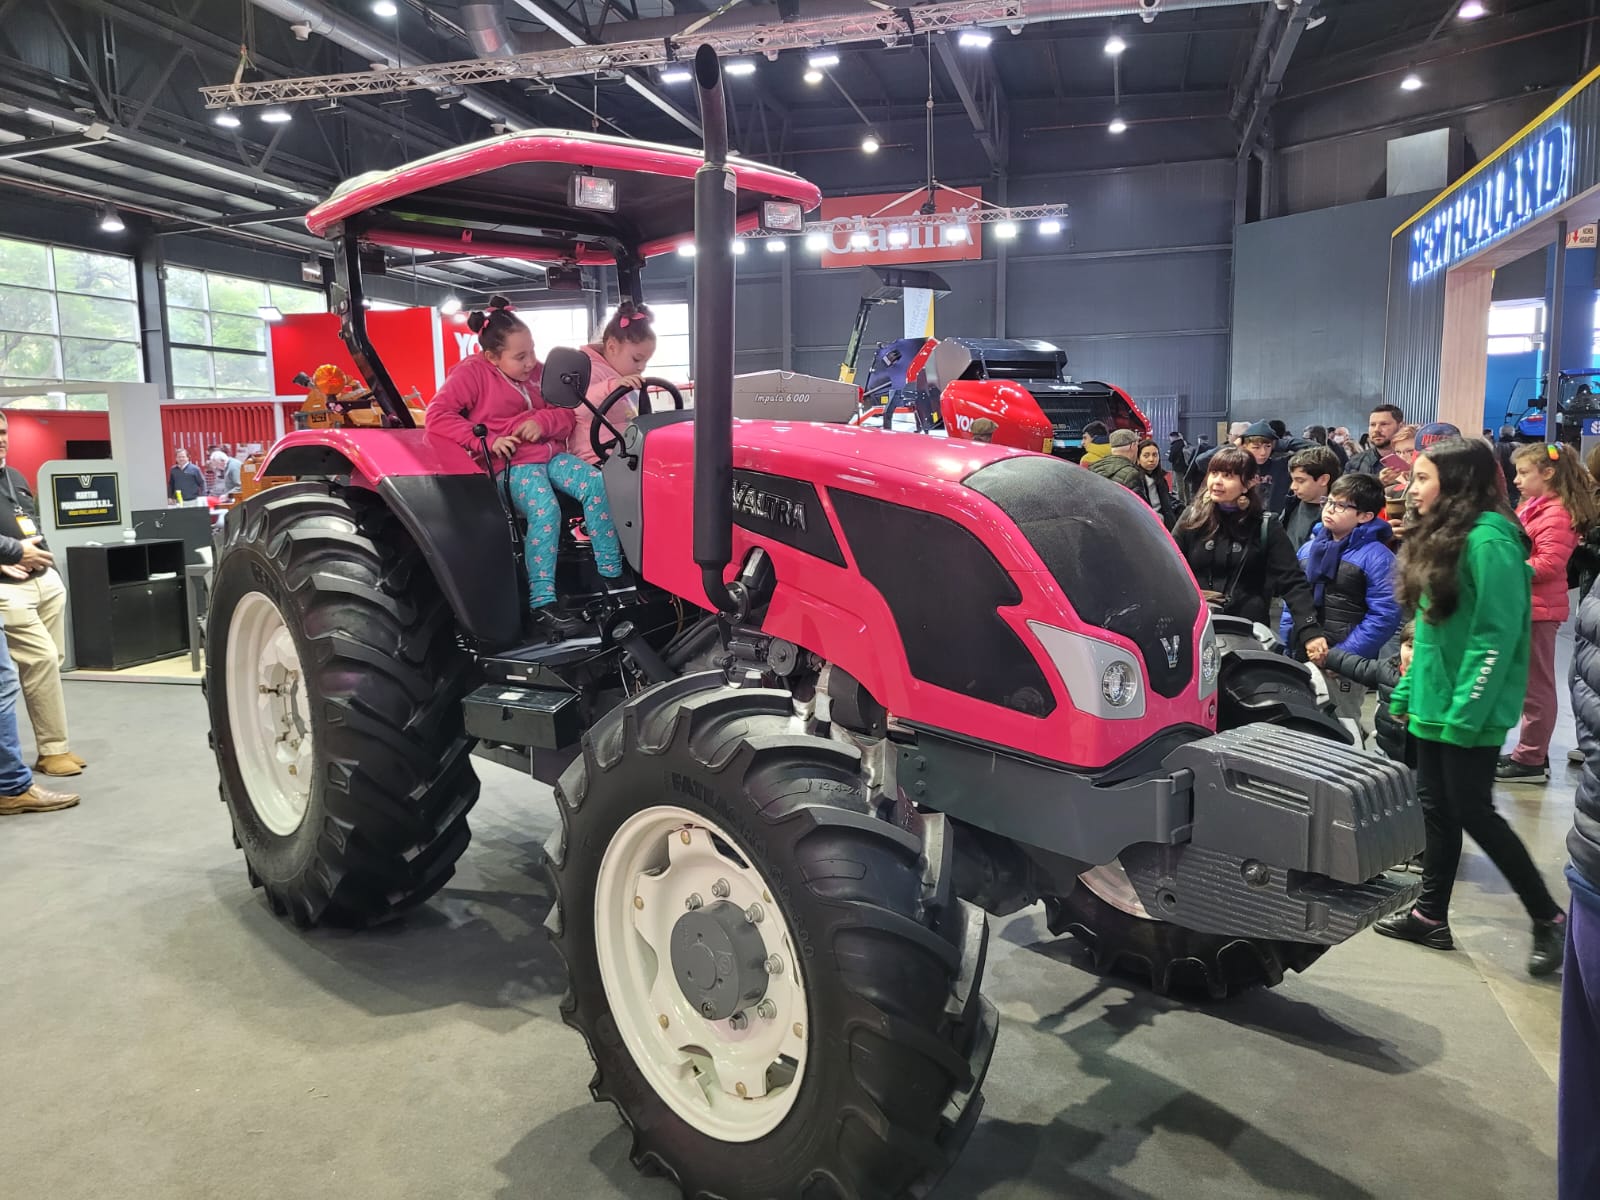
(604, 447)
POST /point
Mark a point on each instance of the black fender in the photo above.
(458, 524)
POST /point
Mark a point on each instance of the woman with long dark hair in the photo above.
(1240, 554)
(1157, 491)
(1464, 570)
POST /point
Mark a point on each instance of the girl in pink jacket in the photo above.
(1558, 505)
(617, 359)
(499, 388)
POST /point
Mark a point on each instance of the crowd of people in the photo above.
(1435, 570)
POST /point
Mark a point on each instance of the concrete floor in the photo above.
(167, 1039)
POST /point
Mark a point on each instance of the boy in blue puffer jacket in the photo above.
(1351, 570)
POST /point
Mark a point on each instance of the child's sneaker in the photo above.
(1575, 757)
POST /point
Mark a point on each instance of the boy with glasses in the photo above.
(1350, 567)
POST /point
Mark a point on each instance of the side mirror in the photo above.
(565, 381)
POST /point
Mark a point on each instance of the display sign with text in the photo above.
(84, 500)
(952, 240)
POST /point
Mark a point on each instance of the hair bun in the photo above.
(499, 304)
(476, 321)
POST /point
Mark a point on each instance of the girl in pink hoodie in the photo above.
(618, 359)
(499, 388)
(1557, 506)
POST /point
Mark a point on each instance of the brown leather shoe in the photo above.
(82, 762)
(36, 799)
(59, 765)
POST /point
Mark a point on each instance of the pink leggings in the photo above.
(1540, 707)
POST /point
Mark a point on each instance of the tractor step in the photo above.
(537, 665)
(540, 718)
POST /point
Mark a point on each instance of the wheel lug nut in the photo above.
(638, 901)
(799, 1030)
(663, 1019)
(766, 1010)
(738, 1022)
(707, 1010)
(743, 1091)
(754, 914)
(774, 965)
(693, 902)
(683, 836)
(720, 889)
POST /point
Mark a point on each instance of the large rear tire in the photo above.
(334, 684)
(849, 1064)
(1105, 914)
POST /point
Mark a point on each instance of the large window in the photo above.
(66, 316)
(218, 333)
(1516, 326)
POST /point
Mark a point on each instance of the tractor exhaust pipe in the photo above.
(715, 200)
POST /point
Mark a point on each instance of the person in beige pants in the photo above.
(33, 607)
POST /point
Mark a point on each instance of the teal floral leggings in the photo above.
(536, 503)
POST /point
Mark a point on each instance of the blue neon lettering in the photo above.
(1506, 198)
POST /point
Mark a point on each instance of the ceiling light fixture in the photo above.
(812, 76)
(451, 306)
(816, 242)
(111, 220)
(676, 75)
(738, 246)
(1115, 45)
(974, 39)
(899, 238)
(1471, 10)
(823, 60)
(1411, 82)
(1050, 226)
(870, 144)
(775, 245)
(1118, 125)
(388, 10)
(860, 239)
(955, 234)
(227, 119)
(1006, 230)
(276, 115)
(685, 249)
(739, 67)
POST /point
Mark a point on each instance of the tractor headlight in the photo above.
(1119, 684)
(1210, 660)
(1103, 679)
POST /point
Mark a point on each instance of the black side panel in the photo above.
(785, 510)
(946, 616)
(301, 461)
(460, 527)
(1118, 568)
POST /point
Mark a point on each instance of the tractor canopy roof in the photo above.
(509, 197)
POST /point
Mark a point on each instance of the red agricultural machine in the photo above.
(864, 688)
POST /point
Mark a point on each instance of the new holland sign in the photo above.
(1503, 199)
(952, 240)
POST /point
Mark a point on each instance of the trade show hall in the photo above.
(800, 602)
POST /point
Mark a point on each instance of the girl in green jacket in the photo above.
(1464, 570)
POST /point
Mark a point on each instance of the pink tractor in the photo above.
(865, 688)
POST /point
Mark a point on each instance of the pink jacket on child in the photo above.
(602, 382)
(1554, 539)
(477, 391)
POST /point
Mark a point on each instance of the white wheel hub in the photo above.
(671, 880)
(1111, 884)
(269, 714)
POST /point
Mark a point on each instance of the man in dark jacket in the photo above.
(1271, 452)
(1121, 464)
(184, 481)
(1382, 424)
(1577, 1149)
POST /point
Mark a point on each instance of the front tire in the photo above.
(1104, 913)
(335, 686)
(856, 1073)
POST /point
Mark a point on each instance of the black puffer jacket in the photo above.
(1381, 675)
(1583, 843)
(1248, 567)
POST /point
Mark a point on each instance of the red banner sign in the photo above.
(924, 243)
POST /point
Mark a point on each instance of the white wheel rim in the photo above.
(1111, 884)
(730, 1083)
(269, 714)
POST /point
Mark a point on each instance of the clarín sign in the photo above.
(1501, 201)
